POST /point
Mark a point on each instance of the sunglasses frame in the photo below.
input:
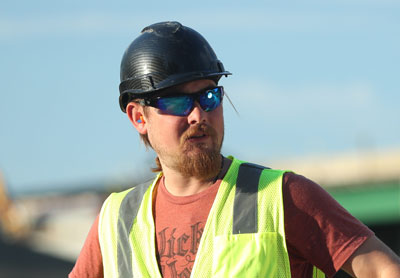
(153, 101)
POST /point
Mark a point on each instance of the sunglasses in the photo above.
(182, 104)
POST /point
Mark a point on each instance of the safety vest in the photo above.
(243, 237)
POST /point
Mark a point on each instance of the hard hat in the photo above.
(164, 55)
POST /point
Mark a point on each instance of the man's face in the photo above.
(189, 144)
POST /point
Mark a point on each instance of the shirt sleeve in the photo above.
(89, 263)
(319, 231)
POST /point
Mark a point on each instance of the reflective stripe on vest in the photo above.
(128, 211)
(246, 205)
(243, 236)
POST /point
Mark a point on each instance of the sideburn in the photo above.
(146, 142)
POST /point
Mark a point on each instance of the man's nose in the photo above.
(197, 115)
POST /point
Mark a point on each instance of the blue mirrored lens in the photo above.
(178, 106)
(182, 105)
(210, 99)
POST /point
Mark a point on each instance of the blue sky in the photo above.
(308, 77)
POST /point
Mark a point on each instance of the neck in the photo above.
(181, 185)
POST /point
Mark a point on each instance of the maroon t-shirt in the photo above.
(318, 231)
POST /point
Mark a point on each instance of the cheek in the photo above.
(168, 129)
(219, 119)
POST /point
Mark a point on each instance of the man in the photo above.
(206, 215)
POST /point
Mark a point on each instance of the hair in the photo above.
(146, 142)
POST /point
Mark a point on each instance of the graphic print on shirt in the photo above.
(176, 252)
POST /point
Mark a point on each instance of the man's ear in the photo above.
(136, 116)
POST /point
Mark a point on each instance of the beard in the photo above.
(199, 159)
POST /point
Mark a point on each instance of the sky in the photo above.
(308, 78)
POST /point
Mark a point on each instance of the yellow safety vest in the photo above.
(244, 234)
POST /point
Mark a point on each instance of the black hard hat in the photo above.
(164, 55)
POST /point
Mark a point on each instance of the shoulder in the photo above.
(303, 192)
(318, 229)
(134, 192)
(302, 196)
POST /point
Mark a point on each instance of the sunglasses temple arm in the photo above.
(234, 108)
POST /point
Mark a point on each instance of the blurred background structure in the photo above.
(316, 87)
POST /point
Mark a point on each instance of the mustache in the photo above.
(199, 130)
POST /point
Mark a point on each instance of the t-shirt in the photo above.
(318, 231)
(179, 223)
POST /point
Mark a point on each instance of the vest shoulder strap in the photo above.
(245, 205)
(127, 214)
